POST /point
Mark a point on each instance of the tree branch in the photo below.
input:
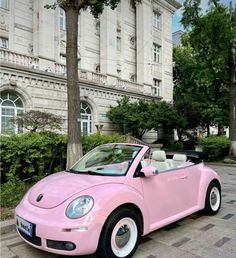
(215, 3)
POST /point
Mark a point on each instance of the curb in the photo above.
(7, 226)
(220, 164)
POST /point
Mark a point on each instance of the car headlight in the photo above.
(79, 207)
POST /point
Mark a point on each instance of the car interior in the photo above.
(161, 162)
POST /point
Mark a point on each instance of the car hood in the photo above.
(57, 188)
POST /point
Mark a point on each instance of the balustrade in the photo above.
(8, 56)
(60, 69)
(130, 86)
(19, 59)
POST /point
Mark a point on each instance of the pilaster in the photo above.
(144, 42)
(108, 41)
(44, 33)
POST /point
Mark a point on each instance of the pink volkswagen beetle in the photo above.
(112, 196)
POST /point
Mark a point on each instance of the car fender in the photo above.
(207, 176)
(109, 197)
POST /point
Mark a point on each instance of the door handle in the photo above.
(183, 177)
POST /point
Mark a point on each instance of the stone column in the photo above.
(108, 34)
(44, 34)
(144, 43)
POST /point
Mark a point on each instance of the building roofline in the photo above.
(174, 3)
(177, 32)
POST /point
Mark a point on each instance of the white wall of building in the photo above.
(115, 55)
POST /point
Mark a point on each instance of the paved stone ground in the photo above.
(197, 236)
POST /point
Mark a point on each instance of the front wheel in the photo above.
(120, 235)
(213, 199)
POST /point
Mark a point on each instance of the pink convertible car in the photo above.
(112, 196)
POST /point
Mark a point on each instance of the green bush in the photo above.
(178, 146)
(31, 154)
(34, 155)
(216, 147)
(12, 192)
(94, 140)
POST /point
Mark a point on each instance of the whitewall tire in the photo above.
(120, 234)
(213, 199)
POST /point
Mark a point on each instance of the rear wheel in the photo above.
(120, 235)
(213, 199)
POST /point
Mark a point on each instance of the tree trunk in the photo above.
(208, 130)
(74, 145)
(232, 112)
(180, 134)
(220, 130)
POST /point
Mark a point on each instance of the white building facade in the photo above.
(126, 52)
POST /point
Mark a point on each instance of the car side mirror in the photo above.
(149, 171)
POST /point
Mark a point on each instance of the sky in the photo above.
(178, 14)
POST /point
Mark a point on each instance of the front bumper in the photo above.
(52, 228)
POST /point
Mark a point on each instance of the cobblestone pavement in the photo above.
(196, 236)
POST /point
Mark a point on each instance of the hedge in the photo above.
(216, 147)
(31, 155)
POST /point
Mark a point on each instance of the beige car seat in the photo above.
(178, 159)
(159, 160)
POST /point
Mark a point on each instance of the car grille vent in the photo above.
(34, 240)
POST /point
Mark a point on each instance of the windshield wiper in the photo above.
(72, 171)
(89, 172)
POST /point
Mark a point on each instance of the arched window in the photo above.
(11, 105)
(86, 119)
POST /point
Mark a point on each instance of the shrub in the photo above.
(94, 140)
(12, 192)
(216, 147)
(35, 120)
(178, 146)
(32, 154)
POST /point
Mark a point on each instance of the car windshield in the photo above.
(109, 159)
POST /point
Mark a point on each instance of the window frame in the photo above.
(156, 87)
(62, 19)
(2, 40)
(4, 4)
(16, 110)
(88, 120)
(156, 20)
(156, 53)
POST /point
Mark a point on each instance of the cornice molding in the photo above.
(49, 82)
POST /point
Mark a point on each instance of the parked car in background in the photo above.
(111, 197)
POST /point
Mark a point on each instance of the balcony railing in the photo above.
(60, 69)
(19, 59)
(127, 85)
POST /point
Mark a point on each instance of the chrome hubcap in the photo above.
(122, 236)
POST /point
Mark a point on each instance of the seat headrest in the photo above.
(159, 155)
(180, 157)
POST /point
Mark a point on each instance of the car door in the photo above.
(169, 194)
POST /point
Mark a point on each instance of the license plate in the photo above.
(24, 226)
